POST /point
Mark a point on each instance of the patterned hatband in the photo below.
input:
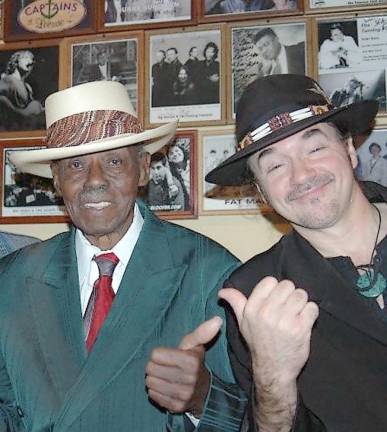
(280, 121)
(86, 127)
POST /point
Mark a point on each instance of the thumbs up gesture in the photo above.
(176, 378)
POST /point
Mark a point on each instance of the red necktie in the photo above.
(102, 296)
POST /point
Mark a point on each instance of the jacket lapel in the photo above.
(330, 291)
(150, 283)
(55, 305)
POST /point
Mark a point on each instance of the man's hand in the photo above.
(177, 378)
(276, 322)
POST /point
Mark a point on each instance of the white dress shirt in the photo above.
(87, 267)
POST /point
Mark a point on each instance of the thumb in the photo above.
(203, 334)
(236, 300)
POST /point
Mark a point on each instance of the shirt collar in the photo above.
(123, 249)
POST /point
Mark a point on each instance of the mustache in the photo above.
(93, 194)
(313, 182)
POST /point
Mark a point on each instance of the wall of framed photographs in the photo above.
(188, 60)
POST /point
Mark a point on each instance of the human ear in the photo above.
(144, 164)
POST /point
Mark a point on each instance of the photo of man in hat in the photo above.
(308, 340)
(103, 327)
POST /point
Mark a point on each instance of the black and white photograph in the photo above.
(26, 195)
(347, 88)
(27, 76)
(338, 45)
(262, 50)
(129, 12)
(319, 4)
(185, 76)
(111, 60)
(171, 189)
(372, 157)
(216, 147)
(223, 7)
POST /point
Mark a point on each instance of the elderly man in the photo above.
(85, 315)
(315, 318)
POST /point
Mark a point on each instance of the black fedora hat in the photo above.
(277, 106)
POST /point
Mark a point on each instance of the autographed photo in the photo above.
(25, 194)
(352, 59)
(121, 12)
(372, 157)
(115, 61)
(265, 50)
(185, 76)
(316, 4)
(215, 149)
(28, 76)
(225, 7)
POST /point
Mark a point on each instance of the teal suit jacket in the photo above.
(47, 380)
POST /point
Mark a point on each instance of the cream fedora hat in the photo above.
(89, 118)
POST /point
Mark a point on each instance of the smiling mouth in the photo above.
(98, 206)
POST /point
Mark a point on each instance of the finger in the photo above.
(172, 357)
(170, 373)
(236, 300)
(202, 334)
(177, 391)
(262, 291)
(296, 302)
(310, 314)
(170, 403)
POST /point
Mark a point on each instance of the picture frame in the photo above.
(27, 198)
(197, 96)
(37, 19)
(108, 56)
(323, 6)
(172, 189)
(371, 151)
(1, 19)
(350, 58)
(261, 48)
(29, 72)
(227, 10)
(140, 14)
(215, 147)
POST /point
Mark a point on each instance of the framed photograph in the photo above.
(260, 50)
(36, 19)
(185, 79)
(226, 10)
(28, 74)
(27, 198)
(1, 19)
(352, 58)
(116, 14)
(372, 156)
(314, 6)
(108, 57)
(215, 147)
(172, 189)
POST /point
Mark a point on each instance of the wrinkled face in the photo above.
(158, 171)
(26, 61)
(171, 55)
(308, 177)
(268, 47)
(99, 190)
(175, 154)
(337, 35)
(210, 53)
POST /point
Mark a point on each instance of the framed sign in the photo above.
(172, 189)
(36, 19)
(260, 50)
(27, 198)
(184, 76)
(314, 6)
(216, 147)
(108, 57)
(226, 10)
(117, 14)
(28, 74)
(352, 58)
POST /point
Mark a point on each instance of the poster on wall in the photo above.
(352, 59)
(32, 19)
